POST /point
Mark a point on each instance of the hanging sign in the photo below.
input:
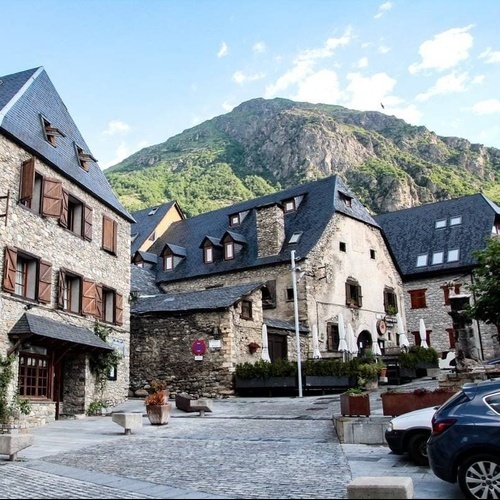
(381, 327)
(198, 347)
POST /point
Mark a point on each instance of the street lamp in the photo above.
(296, 313)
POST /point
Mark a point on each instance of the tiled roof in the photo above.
(146, 221)
(148, 257)
(57, 330)
(411, 232)
(321, 199)
(203, 300)
(24, 97)
(143, 281)
(284, 325)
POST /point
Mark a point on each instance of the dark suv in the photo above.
(465, 442)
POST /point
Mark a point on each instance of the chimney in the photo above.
(270, 229)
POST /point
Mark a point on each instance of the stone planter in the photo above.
(14, 441)
(397, 403)
(355, 405)
(159, 414)
(423, 367)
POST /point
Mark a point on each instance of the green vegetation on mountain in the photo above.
(263, 146)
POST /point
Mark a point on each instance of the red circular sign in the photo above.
(199, 347)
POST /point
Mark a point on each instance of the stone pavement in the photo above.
(282, 447)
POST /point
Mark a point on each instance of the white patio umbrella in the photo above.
(403, 339)
(352, 345)
(265, 345)
(423, 334)
(315, 341)
(343, 348)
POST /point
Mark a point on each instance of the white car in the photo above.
(409, 432)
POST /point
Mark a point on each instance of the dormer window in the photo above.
(295, 238)
(172, 255)
(233, 243)
(228, 250)
(168, 262)
(208, 255)
(347, 200)
(152, 236)
(234, 220)
(289, 205)
(50, 132)
(153, 211)
(83, 158)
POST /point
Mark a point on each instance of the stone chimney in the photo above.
(270, 229)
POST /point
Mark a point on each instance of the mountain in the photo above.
(265, 145)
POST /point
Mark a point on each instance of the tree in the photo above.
(486, 284)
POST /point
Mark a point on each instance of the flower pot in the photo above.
(159, 414)
(355, 405)
(397, 403)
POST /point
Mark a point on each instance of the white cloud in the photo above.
(490, 56)
(123, 151)
(227, 106)
(486, 107)
(327, 50)
(240, 77)
(489, 136)
(383, 49)
(409, 114)
(445, 50)
(366, 93)
(223, 51)
(362, 63)
(320, 87)
(116, 127)
(259, 47)
(452, 83)
(386, 6)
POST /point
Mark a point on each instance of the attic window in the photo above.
(152, 236)
(234, 220)
(295, 237)
(346, 199)
(422, 260)
(153, 211)
(133, 237)
(83, 158)
(437, 258)
(456, 221)
(440, 224)
(208, 254)
(289, 205)
(453, 255)
(50, 133)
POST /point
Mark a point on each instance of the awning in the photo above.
(50, 333)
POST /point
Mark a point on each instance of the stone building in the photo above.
(65, 256)
(433, 246)
(342, 269)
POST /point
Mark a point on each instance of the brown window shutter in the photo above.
(63, 219)
(98, 302)
(119, 309)
(61, 284)
(45, 282)
(87, 233)
(88, 297)
(9, 269)
(360, 297)
(347, 293)
(27, 179)
(52, 198)
(108, 234)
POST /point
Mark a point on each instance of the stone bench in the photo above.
(186, 403)
(128, 421)
(387, 487)
(10, 444)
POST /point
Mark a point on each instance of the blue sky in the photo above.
(135, 72)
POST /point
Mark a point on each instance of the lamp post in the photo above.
(296, 313)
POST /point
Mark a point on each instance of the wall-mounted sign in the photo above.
(214, 343)
(198, 347)
(381, 327)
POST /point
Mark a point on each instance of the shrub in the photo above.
(428, 355)
(327, 367)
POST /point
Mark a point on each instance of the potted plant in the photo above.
(158, 408)
(355, 402)
(281, 374)
(253, 347)
(328, 373)
(427, 358)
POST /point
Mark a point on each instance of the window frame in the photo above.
(353, 293)
(418, 299)
(440, 224)
(419, 260)
(246, 309)
(453, 251)
(390, 300)
(289, 205)
(342, 246)
(456, 221)
(332, 337)
(234, 220)
(229, 250)
(42, 381)
(208, 254)
(434, 255)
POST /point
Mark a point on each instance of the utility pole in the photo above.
(296, 313)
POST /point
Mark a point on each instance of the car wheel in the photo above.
(417, 448)
(479, 476)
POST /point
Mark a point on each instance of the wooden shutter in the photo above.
(119, 309)
(61, 285)
(87, 231)
(63, 219)
(9, 269)
(88, 297)
(52, 198)
(360, 297)
(98, 302)
(108, 234)
(27, 179)
(44, 282)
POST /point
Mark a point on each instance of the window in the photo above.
(342, 246)
(440, 224)
(168, 262)
(70, 292)
(269, 295)
(76, 216)
(27, 275)
(295, 238)
(246, 309)
(332, 337)
(289, 205)
(453, 255)
(289, 294)
(83, 157)
(346, 199)
(228, 250)
(372, 253)
(456, 221)
(208, 254)
(109, 235)
(34, 373)
(390, 301)
(437, 258)
(418, 338)
(152, 236)
(109, 306)
(417, 298)
(234, 220)
(153, 211)
(353, 293)
(447, 291)
(101, 301)
(451, 337)
(422, 260)
(50, 133)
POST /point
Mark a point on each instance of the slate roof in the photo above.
(150, 258)
(322, 199)
(279, 324)
(57, 330)
(203, 300)
(411, 232)
(143, 281)
(24, 97)
(146, 222)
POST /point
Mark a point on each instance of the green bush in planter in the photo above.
(428, 355)
(283, 368)
(408, 360)
(264, 369)
(327, 367)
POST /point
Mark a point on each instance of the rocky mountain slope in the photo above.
(267, 145)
